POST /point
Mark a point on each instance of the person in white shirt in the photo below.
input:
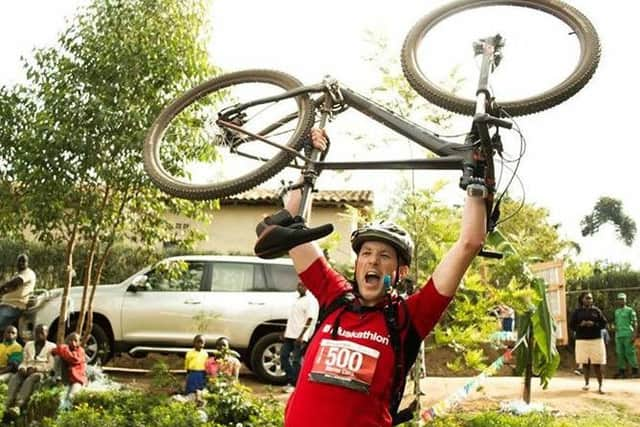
(300, 325)
(37, 363)
(16, 292)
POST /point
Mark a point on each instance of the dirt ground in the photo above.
(563, 396)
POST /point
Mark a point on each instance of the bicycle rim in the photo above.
(582, 71)
(188, 154)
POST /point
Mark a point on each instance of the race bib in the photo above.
(345, 364)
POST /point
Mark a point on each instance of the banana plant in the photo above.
(539, 357)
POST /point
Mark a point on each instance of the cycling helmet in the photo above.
(387, 232)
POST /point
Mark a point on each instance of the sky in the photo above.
(577, 152)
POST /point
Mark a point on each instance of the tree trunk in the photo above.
(88, 265)
(96, 280)
(528, 373)
(101, 264)
(71, 243)
(86, 280)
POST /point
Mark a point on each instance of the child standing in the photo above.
(194, 363)
(224, 361)
(75, 361)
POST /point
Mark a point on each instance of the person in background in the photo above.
(16, 292)
(626, 329)
(75, 361)
(302, 316)
(588, 321)
(507, 316)
(224, 362)
(194, 363)
(10, 354)
(37, 362)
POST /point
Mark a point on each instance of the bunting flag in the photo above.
(444, 406)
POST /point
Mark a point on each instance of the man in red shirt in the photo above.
(348, 373)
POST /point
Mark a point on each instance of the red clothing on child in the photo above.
(211, 366)
(76, 362)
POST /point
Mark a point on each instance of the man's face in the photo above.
(302, 290)
(41, 334)
(10, 333)
(375, 260)
(22, 263)
(621, 302)
(587, 300)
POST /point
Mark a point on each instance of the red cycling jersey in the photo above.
(347, 379)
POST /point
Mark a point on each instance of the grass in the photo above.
(604, 414)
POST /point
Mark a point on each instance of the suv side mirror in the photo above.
(138, 284)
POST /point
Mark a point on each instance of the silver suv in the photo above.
(162, 307)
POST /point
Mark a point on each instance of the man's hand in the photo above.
(31, 370)
(319, 139)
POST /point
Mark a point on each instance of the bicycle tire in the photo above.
(169, 184)
(583, 71)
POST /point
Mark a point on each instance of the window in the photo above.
(177, 276)
(238, 277)
(283, 277)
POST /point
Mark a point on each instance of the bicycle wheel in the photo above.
(189, 155)
(578, 75)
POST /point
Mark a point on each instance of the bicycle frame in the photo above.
(478, 149)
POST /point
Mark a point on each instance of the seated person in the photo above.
(10, 354)
(75, 362)
(15, 292)
(224, 361)
(37, 362)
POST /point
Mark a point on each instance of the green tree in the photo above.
(72, 136)
(606, 210)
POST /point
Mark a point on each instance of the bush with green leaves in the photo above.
(230, 403)
(44, 403)
(163, 380)
(3, 398)
(227, 404)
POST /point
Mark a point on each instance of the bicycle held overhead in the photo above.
(257, 120)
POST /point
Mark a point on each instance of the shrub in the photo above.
(84, 415)
(43, 403)
(162, 380)
(230, 404)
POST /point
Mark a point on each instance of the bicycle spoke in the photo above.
(202, 149)
(523, 51)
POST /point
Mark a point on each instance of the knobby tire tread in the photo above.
(584, 70)
(251, 179)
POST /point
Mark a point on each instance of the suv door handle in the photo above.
(255, 303)
(192, 302)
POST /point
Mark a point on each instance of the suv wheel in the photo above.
(265, 359)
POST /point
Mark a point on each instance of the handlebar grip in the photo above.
(490, 254)
(499, 122)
